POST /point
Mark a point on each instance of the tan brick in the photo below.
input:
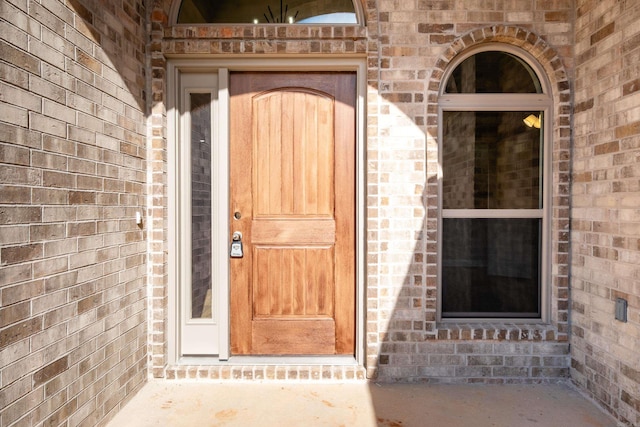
(49, 18)
(15, 195)
(59, 315)
(47, 302)
(58, 179)
(14, 115)
(58, 213)
(50, 196)
(27, 138)
(14, 313)
(14, 391)
(607, 148)
(47, 125)
(90, 183)
(81, 229)
(14, 154)
(50, 266)
(58, 111)
(627, 130)
(83, 166)
(22, 406)
(22, 292)
(48, 372)
(19, 58)
(56, 75)
(19, 175)
(603, 32)
(45, 53)
(14, 35)
(60, 247)
(20, 331)
(18, 254)
(58, 145)
(82, 197)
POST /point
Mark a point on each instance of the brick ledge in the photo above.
(264, 372)
(498, 332)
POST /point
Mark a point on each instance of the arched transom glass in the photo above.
(267, 12)
(493, 72)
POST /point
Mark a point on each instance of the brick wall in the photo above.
(72, 177)
(73, 169)
(605, 196)
(418, 41)
(407, 46)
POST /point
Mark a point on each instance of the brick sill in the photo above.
(496, 331)
(272, 32)
(263, 372)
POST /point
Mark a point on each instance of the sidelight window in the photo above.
(493, 116)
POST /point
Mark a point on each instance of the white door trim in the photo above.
(223, 66)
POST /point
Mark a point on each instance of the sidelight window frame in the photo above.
(501, 102)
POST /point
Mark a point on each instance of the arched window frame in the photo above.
(357, 6)
(501, 102)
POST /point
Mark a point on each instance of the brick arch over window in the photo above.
(546, 56)
(551, 64)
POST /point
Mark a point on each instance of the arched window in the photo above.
(493, 187)
(267, 12)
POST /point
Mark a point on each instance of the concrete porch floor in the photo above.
(182, 403)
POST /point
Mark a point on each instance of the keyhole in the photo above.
(237, 215)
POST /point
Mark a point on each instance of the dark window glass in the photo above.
(493, 72)
(201, 268)
(490, 267)
(491, 160)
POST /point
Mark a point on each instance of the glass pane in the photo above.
(200, 205)
(267, 12)
(493, 72)
(492, 160)
(490, 267)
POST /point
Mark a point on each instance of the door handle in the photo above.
(236, 245)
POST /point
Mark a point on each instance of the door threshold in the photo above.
(269, 360)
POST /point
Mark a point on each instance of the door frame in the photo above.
(222, 67)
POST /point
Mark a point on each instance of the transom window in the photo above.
(267, 12)
(493, 188)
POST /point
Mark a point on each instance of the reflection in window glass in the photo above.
(201, 268)
(267, 12)
(490, 267)
(492, 160)
(331, 18)
(493, 72)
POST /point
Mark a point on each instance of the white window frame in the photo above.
(501, 102)
(188, 332)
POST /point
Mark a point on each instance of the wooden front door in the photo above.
(292, 196)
